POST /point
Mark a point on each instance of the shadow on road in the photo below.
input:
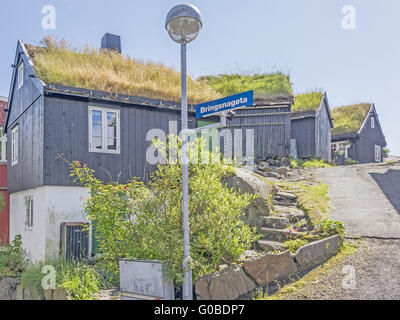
(389, 182)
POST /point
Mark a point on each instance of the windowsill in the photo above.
(28, 229)
(105, 151)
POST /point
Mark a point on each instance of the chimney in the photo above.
(111, 42)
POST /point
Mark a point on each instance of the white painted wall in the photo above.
(52, 205)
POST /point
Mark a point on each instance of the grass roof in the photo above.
(265, 86)
(307, 102)
(349, 119)
(57, 63)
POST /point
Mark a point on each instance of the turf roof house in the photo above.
(269, 116)
(106, 131)
(311, 126)
(358, 133)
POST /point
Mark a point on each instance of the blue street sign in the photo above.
(243, 99)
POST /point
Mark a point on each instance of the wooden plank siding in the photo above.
(66, 132)
(271, 126)
(303, 130)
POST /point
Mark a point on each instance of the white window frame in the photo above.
(3, 146)
(29, 212)
(20, 75)
(14, 145)
(378, 153)
(344, 144)
(104, 130)
(372, 122)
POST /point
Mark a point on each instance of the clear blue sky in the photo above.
(302, 37)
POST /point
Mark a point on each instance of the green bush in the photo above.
(329, 227)
(80, 280)
(350, 161)
(141, 221)
(312, 163)
(386, 152)
(12, 258)
(294, 245)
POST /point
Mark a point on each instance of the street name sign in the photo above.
(244, 99)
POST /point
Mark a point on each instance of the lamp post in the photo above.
(183, 24)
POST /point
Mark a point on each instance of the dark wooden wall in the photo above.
(66, 132)
(271, 126)
(303, 130)
(323, 133)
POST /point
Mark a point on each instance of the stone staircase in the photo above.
(285, 222)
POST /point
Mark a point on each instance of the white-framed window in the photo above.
(3, 147)
(378, 153)
(20, 75)
(342, 147)
(104, 130)
(372, 122)
(29, 212)
(14, 146)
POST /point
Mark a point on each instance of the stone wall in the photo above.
(265, 270)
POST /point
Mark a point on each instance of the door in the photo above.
(75, 241)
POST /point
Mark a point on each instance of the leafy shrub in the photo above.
(80, 280)
(350, 161)
(12, 258)
(294, 245)
(312, 163)
(141, 221)
(2, 202)
(329, 227)
(386, 152)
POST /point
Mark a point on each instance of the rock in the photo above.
(317, 252)
(246, 181)
(19, 293)
(270, 267)
(254, 214)
(8, 287)
(287, 195)
(59, 294)
(263, 166)
(282, 170)
(285, 161)
(48, 294)
(269, 245)
(272, 175)
(272, 162)
(33, 294)
(229, 284)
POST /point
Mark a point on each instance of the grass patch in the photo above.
(311, 163)
(314, 200)
(348, 119)
(12, 258)
(294, 245)
(80, 280)
(312, 278)
(57, 63)
(269, 86)
(307, 102)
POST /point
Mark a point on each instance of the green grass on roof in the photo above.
(265, 86)
(307, 102)
(57, 63)
(349, 119)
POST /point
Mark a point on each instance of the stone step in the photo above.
(280, 235)
(281, 203)
(293, 217)
(276, 222)
(285, 209)
(286, 195)
(269, 245)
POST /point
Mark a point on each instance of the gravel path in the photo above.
(366, 198)
(377, 275)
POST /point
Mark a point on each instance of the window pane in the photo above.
(96, 116)
(96, 143)
(111, 143)
(111, 118)
(96, 130)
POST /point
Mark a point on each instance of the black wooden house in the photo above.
(311, 125)
(358, 134)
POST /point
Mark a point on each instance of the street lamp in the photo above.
(183, 24)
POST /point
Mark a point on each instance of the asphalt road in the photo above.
(366, 198)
